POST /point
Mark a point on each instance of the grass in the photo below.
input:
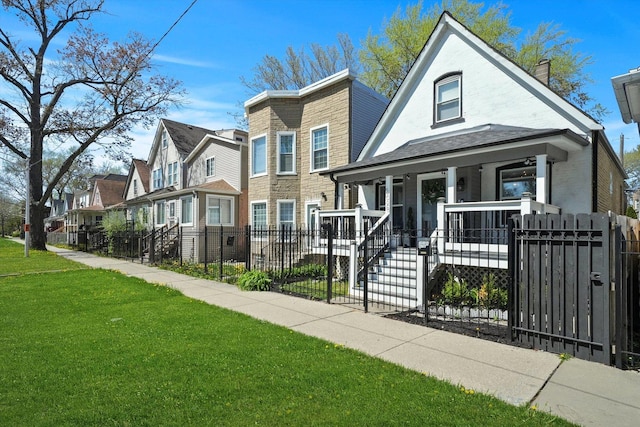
(94, 347)
(13, 261)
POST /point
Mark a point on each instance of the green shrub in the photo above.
(254, 281)
(490, 295)
(305, 271)
(631, 213)
(457, 292)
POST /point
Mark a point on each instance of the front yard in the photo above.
(94, 347)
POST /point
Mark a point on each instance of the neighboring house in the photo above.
(56, 219)
(138, 205)
(197, 179)
(90, 206)
(470, 138)
(627, 90)
(296, 134)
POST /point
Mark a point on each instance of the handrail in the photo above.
(373, 237)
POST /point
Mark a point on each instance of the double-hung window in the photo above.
(259, 156)
(157, 179)
(448, 98)
(186, 210)
(219, 210)
(286, 152)
(258, 218)
(165, 139)
(172, 173)
(160, 213)
(319, 148)
(211, 166)
(286, 214)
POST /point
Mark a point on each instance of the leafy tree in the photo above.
(88, 91)
(387, 57)
(10, 217)
(632, 167)
(300, 68)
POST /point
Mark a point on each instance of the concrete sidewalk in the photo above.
(586, 393)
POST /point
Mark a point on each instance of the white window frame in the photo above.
(172, 173)
(157, 179)
(312, 150)
(293, 154)
(436, 100)
(231, 210)
(279, 204)
(160, 207)
(266, 155)
(182, 211)
(259, 234)
(210, 161)
(165, 138)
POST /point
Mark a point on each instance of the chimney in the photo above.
(542, 71)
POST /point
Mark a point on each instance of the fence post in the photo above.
(330, 265)
(205, 249)
(221, 250)
(152, 247)
(511, 282)
(620, 287)
(282, 246)
(366, 267)
(247, 247)
(180, 235)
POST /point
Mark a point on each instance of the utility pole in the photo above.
(27, 226)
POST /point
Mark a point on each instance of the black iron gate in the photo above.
(561, 294)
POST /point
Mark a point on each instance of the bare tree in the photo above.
(92, 91)
(300, 68)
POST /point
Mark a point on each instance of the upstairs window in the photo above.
(286, 152)
(165, 138)
(259, 156)
(135, 188)
(172, 173)
(319, 149)
(448, 98)
(157, 179)
(211, 166)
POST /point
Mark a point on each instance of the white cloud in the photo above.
(183, 61)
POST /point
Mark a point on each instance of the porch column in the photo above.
(541, 178)
(451, 184)
(340, 201)
(388, 194)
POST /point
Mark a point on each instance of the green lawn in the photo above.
(93, 347)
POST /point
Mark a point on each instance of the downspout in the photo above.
(335, 191)
(594, 171)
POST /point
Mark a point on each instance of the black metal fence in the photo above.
(627, 300)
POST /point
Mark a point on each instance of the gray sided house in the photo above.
(196, 178)
(469, 139)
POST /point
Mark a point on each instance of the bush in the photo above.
(254, 281)
(456, 292)
(631, 213)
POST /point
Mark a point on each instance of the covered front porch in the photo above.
(454, 194)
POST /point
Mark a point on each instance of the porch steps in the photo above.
(393, 279)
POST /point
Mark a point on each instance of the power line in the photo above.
(172, 26)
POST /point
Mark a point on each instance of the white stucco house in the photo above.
(470, 138)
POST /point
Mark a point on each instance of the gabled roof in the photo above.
(110, 191)
(211, 138)
(185, 137)
(143, 172)
(446, 26)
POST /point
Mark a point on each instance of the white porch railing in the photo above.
(482, 226)
(348, 225)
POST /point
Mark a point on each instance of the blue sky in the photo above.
(218, 41)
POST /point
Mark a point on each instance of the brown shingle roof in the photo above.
(143, 170)
(110, 191)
